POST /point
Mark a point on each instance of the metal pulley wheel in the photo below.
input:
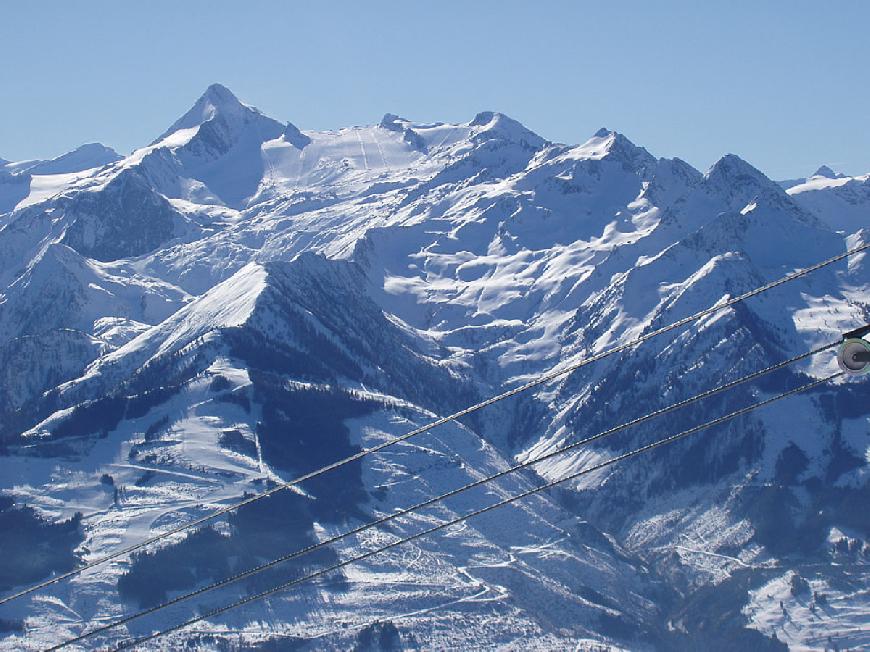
(854, 356)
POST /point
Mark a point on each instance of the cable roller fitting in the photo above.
(854, 354)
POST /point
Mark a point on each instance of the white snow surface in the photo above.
(490, 255)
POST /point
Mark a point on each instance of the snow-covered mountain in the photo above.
(86, 157)
(242, 301)
(30, 181)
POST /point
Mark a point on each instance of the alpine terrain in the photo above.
(241, 302)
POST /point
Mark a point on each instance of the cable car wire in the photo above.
(431, 501)
(552, 375)
(460, 519)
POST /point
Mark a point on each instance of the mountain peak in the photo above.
(220, 93)
(503, 127)
(89, 155)
(484, 118)
(612, 144)
(609, 140)
(217, 100)
(828, 173)
(622, 141)
(731, 167)
(743, 183)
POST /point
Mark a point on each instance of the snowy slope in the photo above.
(27, 182)
(221, 430)
(178, 313)
(85, 157)
(841, 202)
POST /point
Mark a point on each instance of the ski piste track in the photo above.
(453, 417)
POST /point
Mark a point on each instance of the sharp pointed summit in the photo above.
(731, 168)
(606, 143)
(828, 173)
(218, 143)
(217, 102)
(742, 182)
(615, 141)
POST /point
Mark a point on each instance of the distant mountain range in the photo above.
(242, 301)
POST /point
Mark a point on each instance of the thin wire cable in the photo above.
(484, 510)
(557, 373)
(431, 501)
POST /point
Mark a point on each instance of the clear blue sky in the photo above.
(786, 85)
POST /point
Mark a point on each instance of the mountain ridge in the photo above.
(243, 299)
